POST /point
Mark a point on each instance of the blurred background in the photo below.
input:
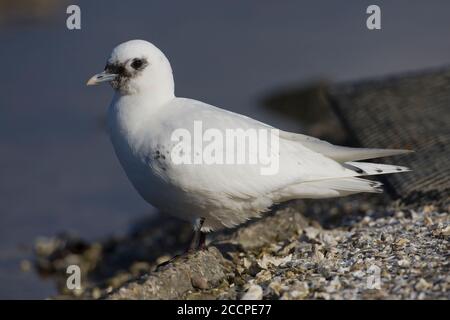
(58, 172)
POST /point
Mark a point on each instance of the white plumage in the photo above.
(144, 113)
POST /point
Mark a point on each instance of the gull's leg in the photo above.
(198, 240)
(197, 243)
(202, 241)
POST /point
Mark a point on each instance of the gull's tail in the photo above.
(342, 186)
(370, 169)
(346, 186)
(347, 157)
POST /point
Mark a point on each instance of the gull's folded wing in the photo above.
(339, 153)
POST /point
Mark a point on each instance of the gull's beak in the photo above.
(101, 77)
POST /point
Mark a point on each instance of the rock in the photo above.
(284, 225)
(176, 279)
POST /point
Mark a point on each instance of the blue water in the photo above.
(57, 168)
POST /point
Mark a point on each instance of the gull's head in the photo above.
(137, 66)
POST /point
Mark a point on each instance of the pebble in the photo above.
(199, 282)
(311, 232)
(422, 285)
(254, 292)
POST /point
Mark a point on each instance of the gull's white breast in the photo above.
(143, 149)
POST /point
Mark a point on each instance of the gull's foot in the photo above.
(165, 263)
(198, 243)
(201, 245)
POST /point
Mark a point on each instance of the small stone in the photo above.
(322, 295)
(429, 209)
(255, 292)
(404, 263)
(276, 287)
(329, 240)
(289, 248)
(263, 276)
(359, 274)
(445, 231)
(274, 247)
(399, 214)
(271, 260)
(334, 285)
(199, 282)
(247, 263)
(414, 215)
(324, 270)
(427, 220)
(317, 255)
(366, 220)
(401, 242)
(298, 290)
(422, 285)
(254, 269)
(311, 232)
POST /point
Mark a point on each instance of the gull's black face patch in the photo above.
(124, 74)
(115, 68)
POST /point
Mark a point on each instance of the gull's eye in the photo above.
(137, 64)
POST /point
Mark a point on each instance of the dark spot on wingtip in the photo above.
(399, 169)
(379, 170)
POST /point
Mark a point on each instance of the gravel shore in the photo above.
(362, 247)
